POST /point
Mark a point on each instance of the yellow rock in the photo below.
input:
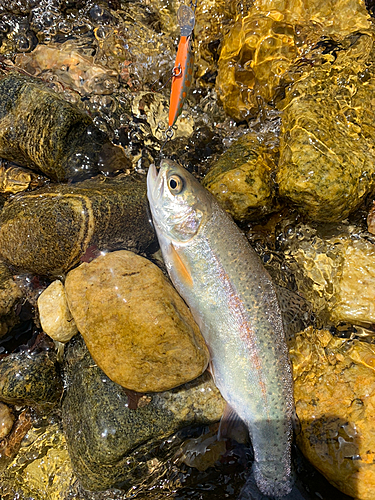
(135, 325)
(355, 301)
(334, 391)
(241, 179)
(6, 420)
(42, 468)
(263, 43)
(54, 314)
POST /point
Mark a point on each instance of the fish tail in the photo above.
(269, 480)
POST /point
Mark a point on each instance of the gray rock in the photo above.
(112, 433)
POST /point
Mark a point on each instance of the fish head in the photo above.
(179, 204)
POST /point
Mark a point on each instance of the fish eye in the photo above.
(175, 184)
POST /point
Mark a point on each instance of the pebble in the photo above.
(54, 313)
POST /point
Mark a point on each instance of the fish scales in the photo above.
(233, 300)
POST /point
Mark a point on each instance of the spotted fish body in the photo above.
(233, 301)
(181, 79)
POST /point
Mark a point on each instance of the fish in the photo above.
(233, 301)
(182, 73)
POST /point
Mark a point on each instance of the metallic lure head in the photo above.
(179, 204)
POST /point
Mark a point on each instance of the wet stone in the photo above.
(135, 325)
(49, 230)
(113, 434)
(30, 378)
(241, 179)
(327, 149)
(39, 129)
(334, 391)
(54, 313)
(10, 297)
(6, 420)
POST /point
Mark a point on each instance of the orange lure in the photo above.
(183, 67)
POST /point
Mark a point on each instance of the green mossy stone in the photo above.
(30, 379)
(112, 434)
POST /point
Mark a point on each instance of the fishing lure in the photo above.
(183, 68)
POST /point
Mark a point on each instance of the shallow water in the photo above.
(113, 59)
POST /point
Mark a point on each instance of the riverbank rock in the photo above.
(113, 435)
(241, 179)
(327, 148)
(49, 230)
(135, 325)
(334, 391)
(39, 129)
(30, 379)
(54, 313)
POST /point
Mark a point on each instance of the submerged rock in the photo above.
(268, 38)
(54, 313)
(327, 148)
(39, 129)
(334, 271)
(113, 434)
(241, 179)
(30, 379)
(334, 391)
(41, 469)
(48, 231)
(135, 325)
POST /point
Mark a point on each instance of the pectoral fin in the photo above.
(180, 267)
(232, 426)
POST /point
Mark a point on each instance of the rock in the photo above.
(268, 38)
(16, 179)
(241, 179)
(42, 467)
(30, 379)
(41, 130)
(54, 313)
(49, 230)
(135, 325)
(6, 420)
(371, 220)
(114, 435)
(356, 288)
(71, 68)
(327, 148)
(334, 390)
(334, 271)
(10, 296)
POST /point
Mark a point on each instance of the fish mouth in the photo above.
(154, 184)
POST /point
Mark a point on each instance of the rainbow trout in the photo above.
(233, 300)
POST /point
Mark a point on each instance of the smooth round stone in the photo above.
(135, 325)
(54, 313)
